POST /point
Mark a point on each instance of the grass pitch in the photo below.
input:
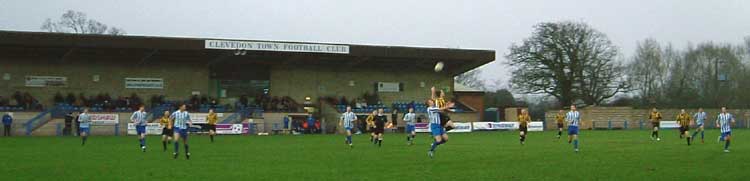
(605, 155)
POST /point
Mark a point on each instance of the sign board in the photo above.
(389, 87)
(536, 126)
(461, 128)
(104, 119)
(46, 81)
(144, 83)
(668, 124)
(151, 129)
(495, 125)
(276, 46)
(200, 118)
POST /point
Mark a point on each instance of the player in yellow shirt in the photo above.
(655, 118)
(523, 125)
(211, 119)
(443, 105)
(166, 131)
(560, 119)
(683, 119)
(370, 120)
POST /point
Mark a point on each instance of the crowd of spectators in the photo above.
(21, 100)
(101, 100)
(276, 104)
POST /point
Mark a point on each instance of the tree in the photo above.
(648, 71)
(471, 79)
(569, 61)
(77, 22)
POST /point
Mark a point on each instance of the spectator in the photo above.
(18, 98)
(310, 123)
(394, 118)
(7, 122)
(3, 101)
(243, 100)
(58, 98)
(70, 99)
(68, 123)
(343, 101)
(28, 100)
(84, 101)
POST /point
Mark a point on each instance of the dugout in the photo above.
(177, 67)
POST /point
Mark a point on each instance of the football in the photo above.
(439, 67)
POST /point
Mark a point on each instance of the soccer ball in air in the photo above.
(439, 66)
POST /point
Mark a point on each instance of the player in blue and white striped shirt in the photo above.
(699, 118)
(724, 121)
(438, 132)
(574, 120)
(347, 120)
(181, 120)
(85, 125)
(139, 119)
(410, 118)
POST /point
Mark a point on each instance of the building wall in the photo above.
(180, 79)
(298, 82)
(474, 100)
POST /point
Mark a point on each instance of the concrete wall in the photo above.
(603, 114)
(180, 79)
(298, 82)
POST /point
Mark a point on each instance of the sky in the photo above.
(491, 24)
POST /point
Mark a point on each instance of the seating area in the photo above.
(366, 109)
(11, 108)
(403, 106)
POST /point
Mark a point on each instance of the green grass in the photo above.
(605, 155)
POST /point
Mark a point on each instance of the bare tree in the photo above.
(648, 71)
(569, 61)
(472, 79)
(77, 22)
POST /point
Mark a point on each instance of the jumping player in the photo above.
(655, 118)
(347, 120)
(380, 121)
(85, 123)
(523, 125)
(724, 121)
(139, 119)
(699, 118)
(683, 119)
(211, 119)
(438, 132)
(410, 118)
(574, 118)
(442, 104)
(166, 131)
(559, 119)
(181, 120)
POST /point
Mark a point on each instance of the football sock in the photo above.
(164, 143)
(726, 145)
(702, 135)
(212, 138)
(349, 139)
(176, 147)
(575, 144)
(187, 150)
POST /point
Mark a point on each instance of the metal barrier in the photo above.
(36, 121)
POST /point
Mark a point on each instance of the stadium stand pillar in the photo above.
(626, 125)
(609, 124)
(117, 129)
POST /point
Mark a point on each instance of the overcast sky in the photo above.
(492, 24)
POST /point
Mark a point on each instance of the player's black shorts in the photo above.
(378, 130)
(168, 132)
(523, 128)
(560, 125)
(655, 124)
(444, 118)
(684, 128)
(211, 127)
